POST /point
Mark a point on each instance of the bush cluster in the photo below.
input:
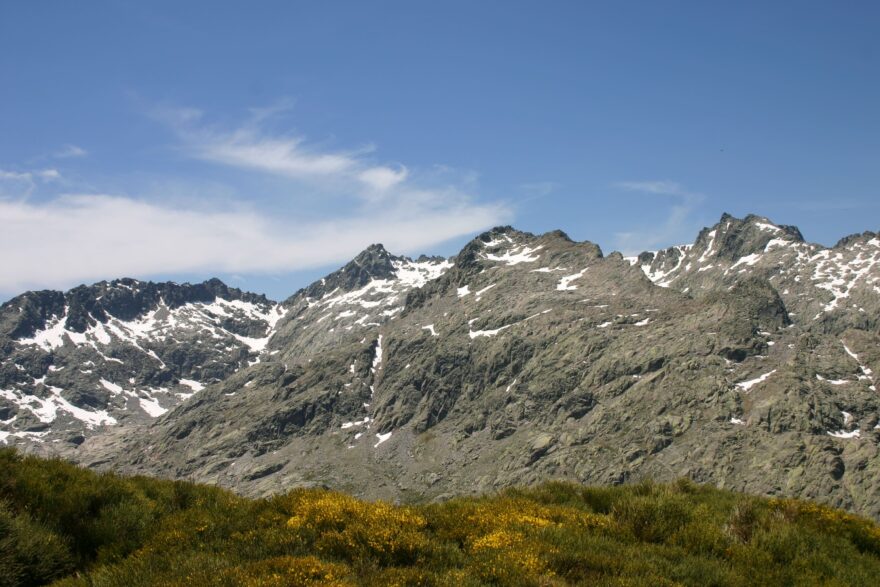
(70, 527)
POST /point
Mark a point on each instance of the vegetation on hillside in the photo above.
(74, 527)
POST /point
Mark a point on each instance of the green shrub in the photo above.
(80, 529)
(652, 517)
(30, 554)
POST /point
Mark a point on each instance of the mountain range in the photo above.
(746, 360)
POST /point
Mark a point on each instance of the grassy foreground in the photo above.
(64, 524)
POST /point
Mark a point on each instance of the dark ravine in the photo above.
(747, 360)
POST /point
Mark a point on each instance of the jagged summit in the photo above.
(864, 238)
(375, 254)
(528, 356)
(124, 350)
(84, 306)
(813, 280)
(499, 230)
(509, 232)
(730, 238)
(733, 238)
(746, 359)
(511, 246)
(373, 263)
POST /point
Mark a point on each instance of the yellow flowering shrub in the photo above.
(507, 557)
(408, 577)
(466, 520)
(288, 571)
(497, 540)
(139, 532)
(861, 531)
(349, 528)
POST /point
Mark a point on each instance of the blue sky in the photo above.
(269, 142)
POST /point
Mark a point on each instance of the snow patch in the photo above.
(111, 387)
(516, 255)
(565, 283)
(46, 409)
(414, 274)
(194, 385)
(484, 290)
(747, 385)
(377, 358)
(50, 338)
(347, 425)
(767, 227)
(382, 438)
(151, 406)
(749, 260)
(477, 333)
(844, 434)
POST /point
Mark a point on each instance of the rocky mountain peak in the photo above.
(525, 357)
(733, 238)
(557, 235)
(510, 247)
(375, 253)
(867, 237)
(498, 231)
(815, 283)
(25, 313)
(85, 306)
(374, 262)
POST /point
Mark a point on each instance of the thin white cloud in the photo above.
(540, 188)
(383, 178)
(21, 184)
(250, 146)
(537, 190)
(70, 151)
(14, 177)
(84, 238)
(247, 149)
(676, 226)
(49, 174)
(662, 187)
(281, 106)
(69, 239)
(30, 176)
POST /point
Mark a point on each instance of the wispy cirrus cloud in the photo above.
(76, 238)
(71, 238)
(247, 149)
(250, 146)
(383, 178)
(661, 187)
(677, 224)
(21, 184)
(30, 176)
(538, 189)
(70, 152)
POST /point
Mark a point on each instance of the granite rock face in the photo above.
(746, 360)
(119, 353)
